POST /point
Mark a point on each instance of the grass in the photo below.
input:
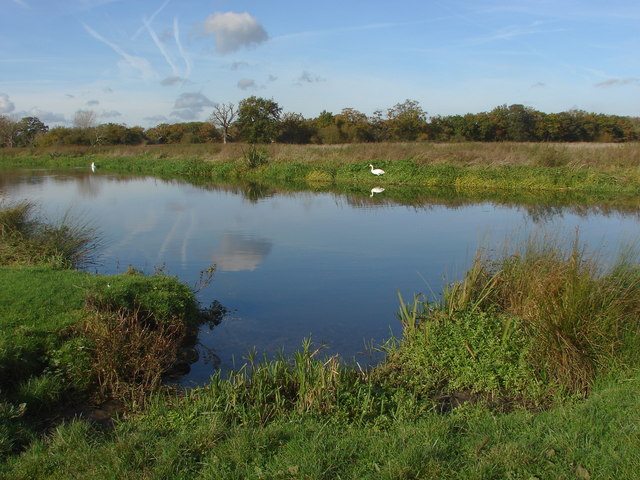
(26, 239)
(188, 438)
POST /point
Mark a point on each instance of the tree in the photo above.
(28, 130)
(354, 126)
(84, 119)
(294, 128)
(7, 131)
(258, 119)
(222, 117)
(407, 120)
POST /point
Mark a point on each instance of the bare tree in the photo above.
(84, 119)
(223, 116)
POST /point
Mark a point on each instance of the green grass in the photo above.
(66, 336)
(27, 239)
(187, 438)
(61, 343)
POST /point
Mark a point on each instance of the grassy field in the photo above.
(526, 368)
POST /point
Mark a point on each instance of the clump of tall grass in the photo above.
(131, 353)
(136, 325)
(255, 157)
(574, 309)
(27, 240)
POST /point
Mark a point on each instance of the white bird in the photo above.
(376, 190)
(93, 167)
(376, 171)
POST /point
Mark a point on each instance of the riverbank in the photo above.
(612, 169)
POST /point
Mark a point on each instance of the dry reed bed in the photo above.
(600, 155)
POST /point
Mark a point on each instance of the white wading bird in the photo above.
(93, 167)
(376, 171)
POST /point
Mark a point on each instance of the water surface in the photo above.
(296, 264)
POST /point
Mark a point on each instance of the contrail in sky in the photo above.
(166, 2)
(161, 47)
(139, 63)
(187, 62)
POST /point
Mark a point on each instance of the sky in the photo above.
(145, 62)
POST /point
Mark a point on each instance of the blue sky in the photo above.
(143, 62)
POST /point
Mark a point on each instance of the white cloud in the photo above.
(93, 102)
(6, 105)
(44, 116)
(181, 50)
(246, 84)
(161, 47)
(238, 253)
(233, 31)
(189, 106)
(154, 15)
(156, 119)
(238, 65)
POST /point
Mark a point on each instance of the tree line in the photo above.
(260, 120)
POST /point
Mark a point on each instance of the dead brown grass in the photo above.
(464, 154)
(131, 352)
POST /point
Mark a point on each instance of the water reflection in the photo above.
(375, 190)
(240, 252)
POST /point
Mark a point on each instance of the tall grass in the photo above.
(574, 309)
(306, 383)
(27, 240)
(464, 153)
(131, 352)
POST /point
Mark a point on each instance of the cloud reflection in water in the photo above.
(239, 252)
